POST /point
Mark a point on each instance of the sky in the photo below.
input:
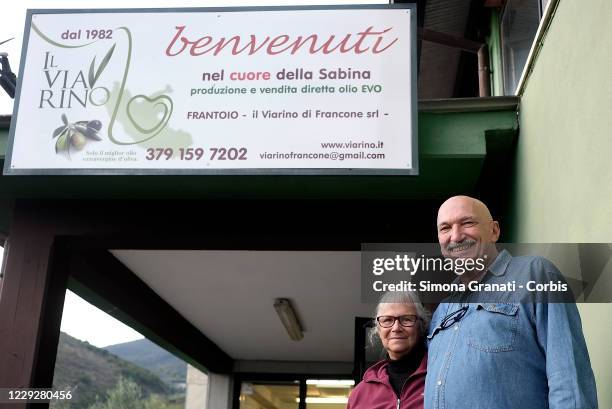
(80, 319)
(83, 321)
(12, 20)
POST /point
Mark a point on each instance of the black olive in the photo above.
(92, 134)
(95, 124)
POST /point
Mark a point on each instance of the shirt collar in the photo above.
(499, 265)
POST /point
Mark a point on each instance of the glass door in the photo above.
(328, 393)
(315, 393)
(270, 395)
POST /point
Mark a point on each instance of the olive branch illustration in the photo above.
(75, 134)
(93, 76)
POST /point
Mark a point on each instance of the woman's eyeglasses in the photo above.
(387, 321)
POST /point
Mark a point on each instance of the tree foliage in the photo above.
(128, 395)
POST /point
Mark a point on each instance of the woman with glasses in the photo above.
(398, 382)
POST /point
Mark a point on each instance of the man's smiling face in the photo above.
(466, 229)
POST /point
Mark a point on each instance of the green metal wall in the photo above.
(3, 141)
(563, 174)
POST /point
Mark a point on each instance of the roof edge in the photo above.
(479, 104)
(536, 46)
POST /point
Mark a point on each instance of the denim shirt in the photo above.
(509, 354)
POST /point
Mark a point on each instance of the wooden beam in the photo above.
(102, 280)
(51, 319)
(24, 301)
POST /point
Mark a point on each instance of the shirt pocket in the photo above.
(493, 327)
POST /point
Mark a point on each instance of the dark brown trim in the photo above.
(51, 317)
(24, 301)
(245, 225)
(104, 281)
(191, 241)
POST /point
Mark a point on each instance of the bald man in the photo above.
(467, 230)
(502, 352)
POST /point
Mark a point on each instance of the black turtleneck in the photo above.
(399, 370)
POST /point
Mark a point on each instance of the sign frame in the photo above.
(414, 171)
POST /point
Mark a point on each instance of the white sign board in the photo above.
(217, 91)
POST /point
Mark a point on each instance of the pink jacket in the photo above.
(375, 391)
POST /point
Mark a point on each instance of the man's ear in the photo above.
(495, 232)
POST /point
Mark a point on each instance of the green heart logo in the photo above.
(144, 111)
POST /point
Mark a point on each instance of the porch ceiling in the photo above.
(229, 296)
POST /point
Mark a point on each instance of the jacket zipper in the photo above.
(400, 394)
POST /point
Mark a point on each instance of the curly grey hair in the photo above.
(399, 297)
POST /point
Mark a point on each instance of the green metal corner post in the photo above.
(495, 54)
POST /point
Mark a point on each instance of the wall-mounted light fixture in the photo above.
(287, 315)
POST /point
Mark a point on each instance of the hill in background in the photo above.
(90, 372)
(148, 355)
